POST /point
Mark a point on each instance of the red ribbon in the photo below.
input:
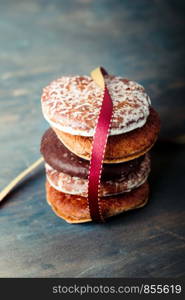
(97, 155)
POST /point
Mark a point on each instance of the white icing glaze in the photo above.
(77, 186)
(72, 104)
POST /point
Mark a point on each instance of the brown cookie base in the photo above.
(120, 148)
(74, 209)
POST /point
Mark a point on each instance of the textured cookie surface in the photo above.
(74, 209)
(72, 104)
(79, 186)
(120, 148)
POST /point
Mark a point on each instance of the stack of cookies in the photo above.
(71, 106)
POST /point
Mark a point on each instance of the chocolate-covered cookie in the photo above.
(79, 186)
(63, 160)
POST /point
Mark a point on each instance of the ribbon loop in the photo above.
(99, 146)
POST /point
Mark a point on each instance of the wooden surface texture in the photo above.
(41, 40)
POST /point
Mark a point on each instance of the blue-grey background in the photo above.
(41, 40)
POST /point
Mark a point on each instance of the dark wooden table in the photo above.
(41, 40)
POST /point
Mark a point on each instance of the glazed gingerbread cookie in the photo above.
(71, 106)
